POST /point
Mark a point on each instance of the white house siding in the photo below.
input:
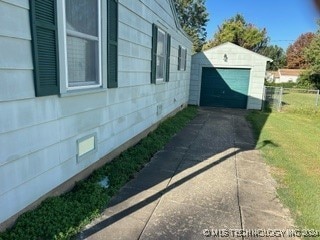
(38, 134)
(286, 79)
(238, 57)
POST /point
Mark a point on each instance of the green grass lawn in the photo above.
(296, 102)
(294, 158)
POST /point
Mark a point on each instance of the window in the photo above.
(160, 63)
(67, 44)
(83, 43)
(182, 58)
(161, 55)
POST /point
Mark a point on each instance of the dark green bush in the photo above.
(284, 85)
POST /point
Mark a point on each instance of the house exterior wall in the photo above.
(237, 58)
(38, 135)
(286, 79)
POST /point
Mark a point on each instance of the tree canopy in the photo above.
(238, 31)
(311, 54)
(277, 54)
(193, 18)
(296, 58)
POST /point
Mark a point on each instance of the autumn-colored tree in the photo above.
(295, 52)
(311, 77)
(238, 31)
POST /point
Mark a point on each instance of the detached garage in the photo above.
(228, 76)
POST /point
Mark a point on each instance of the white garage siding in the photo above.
(237, 57)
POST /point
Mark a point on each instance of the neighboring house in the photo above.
(228, 76)
(271, 76)
(284, 75)
(81, 81)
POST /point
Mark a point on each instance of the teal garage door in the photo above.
(224, 87)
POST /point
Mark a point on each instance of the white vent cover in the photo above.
(86, 145)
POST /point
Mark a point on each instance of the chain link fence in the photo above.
(291, 100)
(272, 98)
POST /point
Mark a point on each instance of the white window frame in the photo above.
(62, 29)
(158, 80)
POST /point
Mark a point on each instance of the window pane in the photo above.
(183, 58)
(161, 52)
(160, 67)
(82, 61)
(182, 64)
(161, 43)
(82, 16)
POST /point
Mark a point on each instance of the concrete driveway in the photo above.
(207, 181)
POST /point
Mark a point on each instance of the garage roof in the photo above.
(232, 45)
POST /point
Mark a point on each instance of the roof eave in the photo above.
(176, 19)
(230, 43)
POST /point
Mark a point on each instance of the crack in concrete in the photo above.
(237, 174)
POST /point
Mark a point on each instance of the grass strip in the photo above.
(294, 157)
(63, 216)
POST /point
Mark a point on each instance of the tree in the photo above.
(193, 18)
(238, 31)
(295, 52)
(277, 54)
(311, 55)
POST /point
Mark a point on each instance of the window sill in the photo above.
(159, 82)
(77, 92)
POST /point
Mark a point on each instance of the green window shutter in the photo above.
(168, 57)
(112, 61)
(179, 58)
(43, 17)
(185, 59)
(154, 53)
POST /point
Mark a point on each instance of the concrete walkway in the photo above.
(209, 177)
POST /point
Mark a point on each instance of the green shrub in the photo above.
(284, 85)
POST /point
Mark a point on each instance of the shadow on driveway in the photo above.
(208, 177)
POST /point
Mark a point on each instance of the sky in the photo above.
(284, 20)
